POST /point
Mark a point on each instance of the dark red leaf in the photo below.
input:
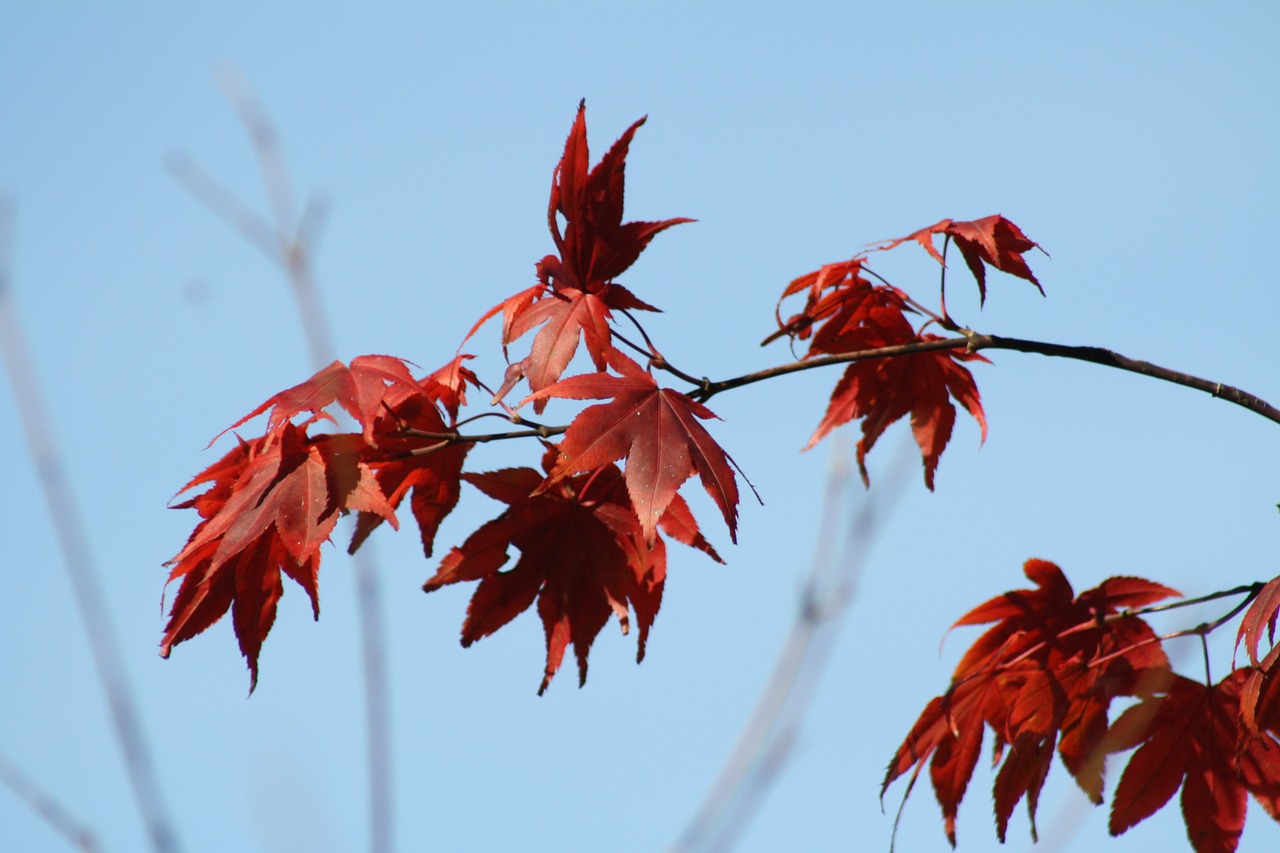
(1192, 739)
(1046, 672)
(596, 246)
(583, 557)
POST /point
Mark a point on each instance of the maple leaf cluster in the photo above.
(1042, 679)
(586, 530)
(581, 540)
(274, 500)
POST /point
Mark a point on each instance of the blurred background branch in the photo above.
(288, 242)
(846, 534)
(45, 805)
(77, 556)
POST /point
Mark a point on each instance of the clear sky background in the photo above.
(1137, 142)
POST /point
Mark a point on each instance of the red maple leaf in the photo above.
(949, 734)
(655, 429)
(1044, 674)
(992, 240)
(566, 314)
(596, 246)
(577, 292)
(272, 503)
(1191, 738)
(583, 557)
(883, 390)
(1260, 693)
(921, 384)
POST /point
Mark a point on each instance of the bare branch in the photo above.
(767, 739)
(75, 832)
(77, 556)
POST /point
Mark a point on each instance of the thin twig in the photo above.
(86, 584)
(75, 832)
(1252, 589)
(656, 359)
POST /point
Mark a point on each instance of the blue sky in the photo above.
(1136, 142)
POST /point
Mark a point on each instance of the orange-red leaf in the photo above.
(1260, 616)
(565, 317)
(881, 391)
(272, 503)
(847, 285)
(447, 386)
(1260, 695)
(358, 389)
(857, 316)
(428, 468)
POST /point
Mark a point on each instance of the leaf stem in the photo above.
(942, 285)
(656, 358)
(1204, 648)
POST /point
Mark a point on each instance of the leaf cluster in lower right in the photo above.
(1042, 678)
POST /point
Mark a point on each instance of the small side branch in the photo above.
(455, 437)
(75, 832)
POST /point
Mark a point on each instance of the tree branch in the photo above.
(974, 341)
(1108, 358)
